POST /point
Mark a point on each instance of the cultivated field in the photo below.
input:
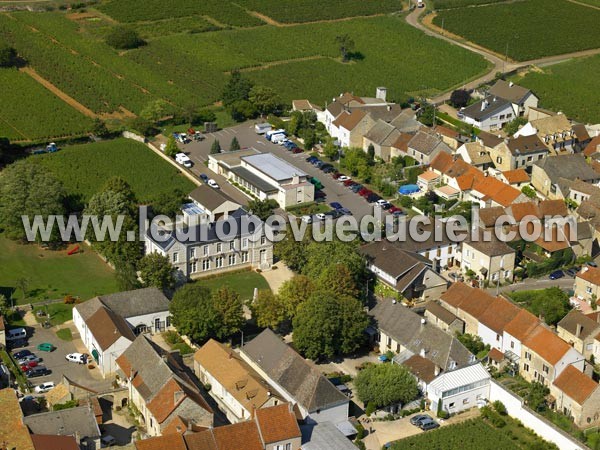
(84, 169)
(568, 87)
(451, 4)
(294, 11)
(30, 112)
(559, 27)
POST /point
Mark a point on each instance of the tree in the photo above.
(536, 396)
(371, 152)
(353, 158)
(321, 255)
(143, 126)
(156, 110)
(156, 270)
(295, 291)
(126, 275)
(235, 145)
(99, 128)
(325, 325)
(427, 115)
(330, 150)
(460, 98)
(215, 147)
(293, 253)
(346, 46)
(268, 309)
(263, 209)
(3, 305)
(201, 315)
(171, 148)
(338, 280)
(513, 126)
(119, 185)
(552, 303)
(242, 110)
(528, 191)
(237, 89)
(309, 137)
(473, 343)
(231, 311)
(124, 38)
(28, 189)
(386, 384)
(264, 99)
(8, 56)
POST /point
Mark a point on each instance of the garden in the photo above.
(556, 29)
(243, 282)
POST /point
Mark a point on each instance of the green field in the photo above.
(242, 282)
(84, 169)
(294, 11)
(557, 28)
(31, 112)
(474, 434)
(451, 4)
(52, 274)
(567, 86)
(223, 11)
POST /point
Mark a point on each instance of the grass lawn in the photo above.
(84, 169)
(566, 87)
(242, 282)
(52, 274)
(555, 30)
(64, 334)
(59, 313)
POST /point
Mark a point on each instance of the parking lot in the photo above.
(56, 362)
(336, 192)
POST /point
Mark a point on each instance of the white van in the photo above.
(16, 334)
(278, 138)
(183, 159)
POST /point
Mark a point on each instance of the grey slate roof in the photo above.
(209, 197)
(494, 105)
(570, 167)
(576, 318)
(382, 133)
(406, 122)
(390, 258)
(300, 378)
(524, 145)
(273, 166)
(68, 422)
(440, 312)
(405, 326)
(427, 143)
(509, 91)
(324, 436)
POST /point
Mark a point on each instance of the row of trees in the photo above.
(244, 100)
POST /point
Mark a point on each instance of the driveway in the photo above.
(56, 362)
(247, 137)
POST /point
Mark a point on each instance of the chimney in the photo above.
(422, 353)
(381, 93)
(177, 396)
(436, 371)
(578, 330)
(389, 108)
(423, 321)
(511, 84)
(598, 317)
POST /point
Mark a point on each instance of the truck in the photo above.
(262, 128)
(269, 134)
(51, 147)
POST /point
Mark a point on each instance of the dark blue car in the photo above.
(336, 205)
(312, 159)
(556, 275)
(204, 177)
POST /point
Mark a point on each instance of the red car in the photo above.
(348, 182)
(364, 192)
(28, 365)
(336, 175)
(394, 209)
(297, 150)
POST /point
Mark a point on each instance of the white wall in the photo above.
(470, 397)
(507, 339)
(489, 336)
(572, 357)
(531, 420)
(148, 320)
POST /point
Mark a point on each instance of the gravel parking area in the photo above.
(336, 192)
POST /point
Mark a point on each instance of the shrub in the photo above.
(370, 409)
(124, 38)
(500, 408)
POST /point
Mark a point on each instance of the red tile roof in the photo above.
(243, 435)
(501, 193)
(495, 355)
(441, 162)
(277, 423)
(521, 325)
(349, 120)
(575, 384)
(590, 274)
(516, 176)
(499, 314)
(546, 344)
(592, 147)
(52, 442)
(168, 441)
(472, 301)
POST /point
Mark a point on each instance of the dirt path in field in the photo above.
(499, 62)
(584, 4)
(14, 128)
(60, 94)
(280, 62)
(273, 22)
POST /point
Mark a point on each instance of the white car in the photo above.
(44, 387)
(343, 178)
(213, 184)
(321, 216)
(307, 219)
(382, 202)
(78, 358)
(183, 159)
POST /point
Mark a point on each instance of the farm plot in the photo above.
(84, 169)
(568, 87)
(38, 115)
(301, 61)
(557, 28)
(451, 4)
(223, 11)
(294, 11)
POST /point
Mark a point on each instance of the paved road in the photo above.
(565, 284)
(498, 64)
(247, 137)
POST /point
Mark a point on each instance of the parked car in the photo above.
(346, 183)
(28, 359)
(45, 347)
(429, 425)
(373, 198)
(571, 272)
(327, 168)
(307, 219)
(44, 387)
(78, 358)
(38, 371)
(336, 175)
(356, 187)
(203, 177)
(336, 205)
(213, 184)
(297, 150)
(592, 264)
(21, 354)
(320, 216)
(345, 211)
(384, 204)
(319, 195)
(556, 275)
(17, 343)
(29, 365)
(416, 420)
(310, 159)
(364, 192)
(184, 160)
(315, 161)
(334, 213)
(319, 164)
(344, 178)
